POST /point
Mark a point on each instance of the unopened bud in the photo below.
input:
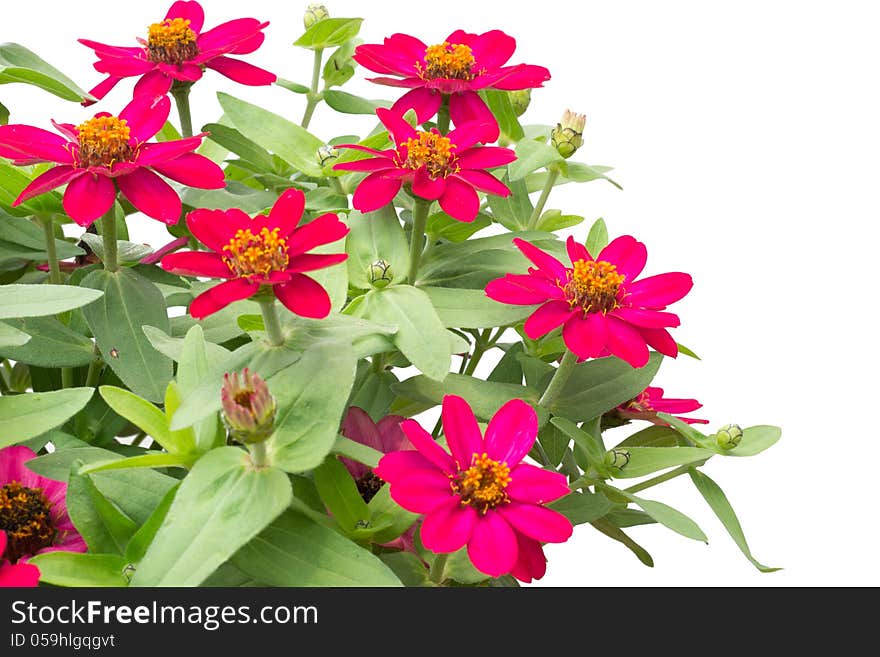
(617, 458)
(315, 13)
(248, 407)
(567, 136)
(380, 273)
(326, 154)
(520, 100)
(729, 436)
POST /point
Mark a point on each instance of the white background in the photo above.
(746, 137)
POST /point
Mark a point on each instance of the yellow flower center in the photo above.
(257, 255)
(103, 141)
(483, 484)
(640, 404)
(26, 519)
(171, 41)
(447, 60)
(432, 151)
(593, 286)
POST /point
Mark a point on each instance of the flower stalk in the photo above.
(420, 220)
(560, 378)
(552, 175)
(51, 252)
(181, 99)
(274, 335)
(313, 97)
(111, 247)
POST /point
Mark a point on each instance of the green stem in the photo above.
(49, 232)
(336, 184)
(552, 175)
(560, 378)
(480, 347)
(181, 99)
(94, 373)
(420, 220)
(271, 323)
(108, 234)
(443, 116)
(259, 455)
(438, 568)
(66, 377)
(672, 474)
(313, 97)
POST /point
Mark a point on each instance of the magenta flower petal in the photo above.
(376, 190)
(188, 72)
(146, 116)
(241, 72)
(226, 36)
(88, 197)
(392, 435)
(304, 296)
(399, 129)
(511, 432)
(424, 101)
(531, 563)
(548, 317)
(103, 88)
(493, 546)
(194, 170)
(124, 66)
(448, 527)
(576, 250)
(512, 290)
(468, 133)
(461, 430)
(485, 157)
(421, 491)
(661, 341)
(47, 181)
(19, 575)
(220, 296)
(196, 263)
(24, 142)
(661, 290)
(214, 228)
(359, 426)
(628, 254)
(325, 229)
(468, 108)
(285, 213)
(312, 261)
(188, 10)
(646, 318)
(149, 154)
(627, 343)
(522, 76)
(536, 485)
(425, 186)
(491, 49)
(112, 51)
(586, 336)
(485, 182)
(426, 444)
(400, 464)
(550, 266)
(13, 468)
(537, 522)
(460, 200)
(154, 83)
(368, 164)
(151, 195)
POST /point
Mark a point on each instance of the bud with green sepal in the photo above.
(617, 458)
(326, 155)
(567, 136)
(520, 100)
(314, 14)
(248, 407)
(729, 436)
(380, 273)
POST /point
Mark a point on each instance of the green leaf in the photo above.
(130, 302)
(653, 436)
(24, 239)
(630, 518)
(387, 513)
(52, 344)
(719, 503)
(40, 300)
(553, 220)
(329, 32)
(372, 391)
(645, 460)
(173, 347)
(441, 226)
(347, 103)
(485, 397)
(665, 515)
(13, 180)
(104, 527)
(421, 336)
(148, 418)
(581, 508)
(150, 460)
(340, 494)
(513, 211)
(126, 252)
(499, 103)
(597, 386)
(295, 87)
(289, 141)
(613, 531)
(473, 309)
(311, 398)
(755, 440)
(339, 67)
(555, 443)
(77, 569)
(295, 551)
(12, 337)
(137, 546)
(18, 64)
(234, 195)
(375, 236)
(509, 369)
(193, 368)
(357, 451)
(28, 415)
(221, 505)
(460, 569)
(597, 238)
(232, 140)
(581, 173)
(532, 155)
(589, 443)
(407, 567)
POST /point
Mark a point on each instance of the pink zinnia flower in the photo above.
(106, 152)
(599, 303)
(177, 50)
(19, 575)
(384, 436)
(458, 68)
(265, 251)
(481, 496)
(651, 401)
(446, 168)
(33, 512)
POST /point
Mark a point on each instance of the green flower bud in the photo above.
(617, 458)
(567, 136)
(520, 100)
(380, 273)
(326, 154)
(315, 13)
(729, 436)
(248, 407)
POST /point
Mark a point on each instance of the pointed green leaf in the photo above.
(137, 546)
(597, 238)
(18, 300)
(581, 508)
(52, 344)
(148, 418)
(18, 64)
(375, 236)
(357, 451)
(31, 414)
(105, 528)
(532, 155)
(473, 309)
(613, 531)
(12, 337)
(665, 515)
(329, 32)
(151, 460)
(340, 494)
(77, 569)
(645, 460)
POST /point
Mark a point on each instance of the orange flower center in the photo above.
(593, 286)
(447, 60)
(25, 517)
(171, 41)
(103, 141)
(432, 151)
(256, 255)
(483, 484)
